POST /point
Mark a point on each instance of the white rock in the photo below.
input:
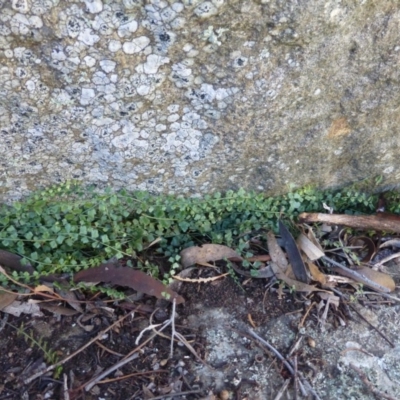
(36, 22)
(187, 47)
(88, 37)
(108, 65)
(22, 19)
(23, 6)
(30, 85)
(114, 45)
(143, 90)
(9, 53)
(128, 28)
(87, 96)
(153, 62)
(205, 10)
(136, 45)
(90, 61)
(168, 14)
(94, 6)
(173, 117)
(161, 127)
(177, 7)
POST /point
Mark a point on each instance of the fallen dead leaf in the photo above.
(309, 248)
(293, 283)
(128, 277)
(207, 252)
(6, 298)
(60, 310)
(17, 308)
(316, 274)
(380, 278)
(42, 288)
(277, 255)
(70, 297)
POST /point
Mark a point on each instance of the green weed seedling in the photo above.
(50, 356)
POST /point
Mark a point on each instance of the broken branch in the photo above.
(379, 222)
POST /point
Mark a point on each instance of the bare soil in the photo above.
(214, 319)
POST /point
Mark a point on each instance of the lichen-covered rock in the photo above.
(194, 96)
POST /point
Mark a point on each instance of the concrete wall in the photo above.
(197, 96)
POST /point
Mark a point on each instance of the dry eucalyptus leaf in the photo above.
(70, 297)
(316, 274)
(128, 277)
(60, 310)
(42, 288)
(277, 255)
(309, 248)
(294, 284)
(313, 238)
(6, 298)
(17, 308)
(380, 278)
(207, 252)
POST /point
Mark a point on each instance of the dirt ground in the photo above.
(226, 362)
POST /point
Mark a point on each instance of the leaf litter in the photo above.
(303, 268)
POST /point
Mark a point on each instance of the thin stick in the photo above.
(51, 367)
(282, 390)
(385, 260)
(287, 365)
(66, 393)
(165, 396)
(121, 363)
(173, 332)
(376, 392)
(372, 326)
(121, 378)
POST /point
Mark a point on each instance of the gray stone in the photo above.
(258, 94)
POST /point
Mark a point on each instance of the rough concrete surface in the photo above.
(327, 364)
(195, 96)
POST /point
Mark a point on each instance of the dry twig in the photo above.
(377, 393)
(52, 367)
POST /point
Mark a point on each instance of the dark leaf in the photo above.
(125, 276)
(298, 267)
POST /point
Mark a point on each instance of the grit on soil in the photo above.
(228, 362)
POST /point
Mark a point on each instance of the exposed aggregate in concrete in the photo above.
(193, 96)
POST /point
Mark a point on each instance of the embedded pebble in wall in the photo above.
(173, 118)
(90, 61)
(136, 45)
(161, 127)
(22, 6)
(239, 62)
(153, 62)
(108, 65)
(168, 14)
(100, 78)
(93, 6)
(74, 27)
(30, 86)
(177, 7)
(173, 108)
(88, 37)
(114, 46)
(87, 96)
(206, 9)
(178, 23)
(127, 29)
